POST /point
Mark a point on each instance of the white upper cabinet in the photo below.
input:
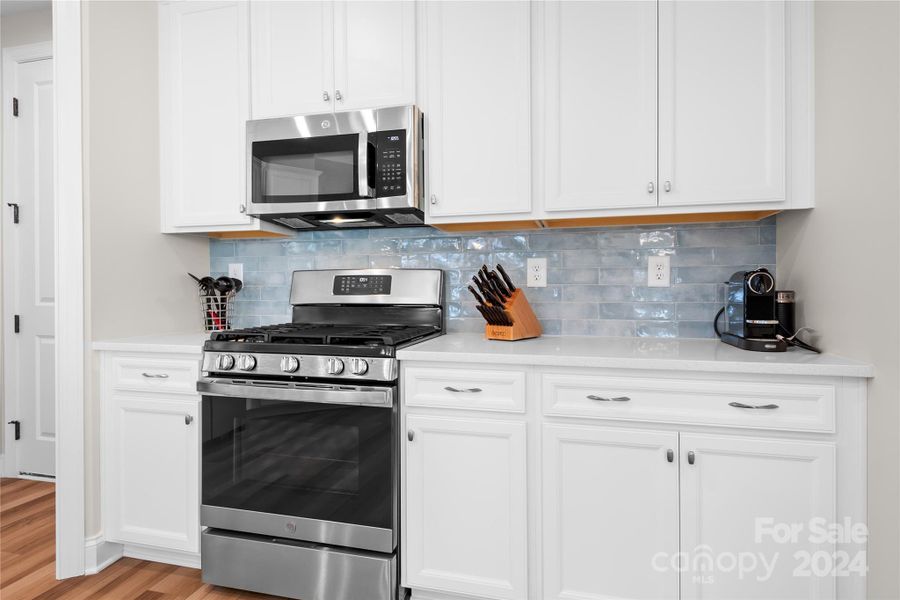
(722, 98)
(312, 57)
(476, 79)
(374, 54)
(204, 105)
(595, 97)
(292, 57)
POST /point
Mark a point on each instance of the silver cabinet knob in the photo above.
(334, 366)
(338, 96)
(188, 419)
(246, 362)
(410, 435)
(670, 455)
(691, 457)
(433, 199)
(667, 186)
(651, 188)
(359, 366)
(289, 364)
(325, 96)
(225, 362)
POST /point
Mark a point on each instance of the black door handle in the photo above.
(18, 426)
(15, 208)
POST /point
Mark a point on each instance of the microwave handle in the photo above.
(362, 153)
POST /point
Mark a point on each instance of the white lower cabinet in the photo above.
(738, 496)
(466, 519)
(610, 505)
(154, 479)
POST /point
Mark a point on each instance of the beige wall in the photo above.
(26, 28)
(843, 257)
(138, 276)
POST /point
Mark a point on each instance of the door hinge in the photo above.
(15, 323)
(15, 107)
(15, 208)
(18, 429)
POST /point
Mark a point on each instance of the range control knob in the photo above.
(225, 362)
(358, 366)
(246, 362)
(289, 364)
(334, 366)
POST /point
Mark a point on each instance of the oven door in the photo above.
(311, 462)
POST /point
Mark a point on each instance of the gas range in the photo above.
(350, 330)
(301, 437)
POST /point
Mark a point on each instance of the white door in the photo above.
(597, 104)
(610, 513)
(735, 494)
(477, 104)
(465, 507)
(374, 54)
(152, 459)
(292, 57)
(721, 102)
(29, 279)
(204, 106)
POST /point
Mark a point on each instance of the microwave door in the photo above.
(311, 170)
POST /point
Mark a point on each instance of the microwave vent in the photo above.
(404, 218)
(295, 223)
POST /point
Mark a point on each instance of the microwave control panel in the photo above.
(390, 163)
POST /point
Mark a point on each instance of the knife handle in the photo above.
(506, 278)
(477, 297)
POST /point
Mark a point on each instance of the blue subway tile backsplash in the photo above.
(597, 278)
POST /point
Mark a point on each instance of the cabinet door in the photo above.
(736, 490)
(152, 475)
(610, 512)
(722, 102)
(374, 54)
(292, 57)
(477, 108)
(204, 104)
(465, 507)
(597, 106)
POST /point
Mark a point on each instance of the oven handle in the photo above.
(374, 397)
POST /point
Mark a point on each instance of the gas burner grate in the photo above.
(340, 335)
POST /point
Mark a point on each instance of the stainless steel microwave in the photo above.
(342, 170)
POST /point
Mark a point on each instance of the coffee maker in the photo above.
(751, 322)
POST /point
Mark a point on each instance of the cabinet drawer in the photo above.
(472, 389)
(786, 406)
(150, 374)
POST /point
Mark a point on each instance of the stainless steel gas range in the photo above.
(301, 437)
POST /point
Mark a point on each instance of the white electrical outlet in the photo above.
(536, 272)
(659, 271)
(236, 270)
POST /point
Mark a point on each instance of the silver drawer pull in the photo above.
(155, 375)
(462, 391)
(602, 399)
(758, 406)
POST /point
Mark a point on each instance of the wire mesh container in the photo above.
(217, 310)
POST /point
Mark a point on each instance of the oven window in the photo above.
(318, 461)
(306, 170)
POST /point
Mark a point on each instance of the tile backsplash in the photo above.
(597, 278)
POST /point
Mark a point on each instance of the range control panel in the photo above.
(390, 161)
(361, 285)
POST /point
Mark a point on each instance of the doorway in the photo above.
(28, 262)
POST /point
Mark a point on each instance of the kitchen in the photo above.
(615, 138)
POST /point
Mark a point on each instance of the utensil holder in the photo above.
(217, 310)
(524, 322)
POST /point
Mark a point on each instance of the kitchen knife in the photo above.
(499, 285)
(483, 312)
(477, 297)
(506, 279)
(490, 283)
(478, 283)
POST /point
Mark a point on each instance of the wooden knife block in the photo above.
(525, 323)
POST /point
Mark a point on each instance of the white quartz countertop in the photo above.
(172, 343)
(631, 353)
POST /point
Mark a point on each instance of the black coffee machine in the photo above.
(751, 321)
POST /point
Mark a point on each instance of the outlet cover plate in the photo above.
(236, 270)
(659, 272)
(536, 272)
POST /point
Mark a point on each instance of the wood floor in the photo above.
(27, 569)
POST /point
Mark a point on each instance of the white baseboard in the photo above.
(99, 554)
(172, 557)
